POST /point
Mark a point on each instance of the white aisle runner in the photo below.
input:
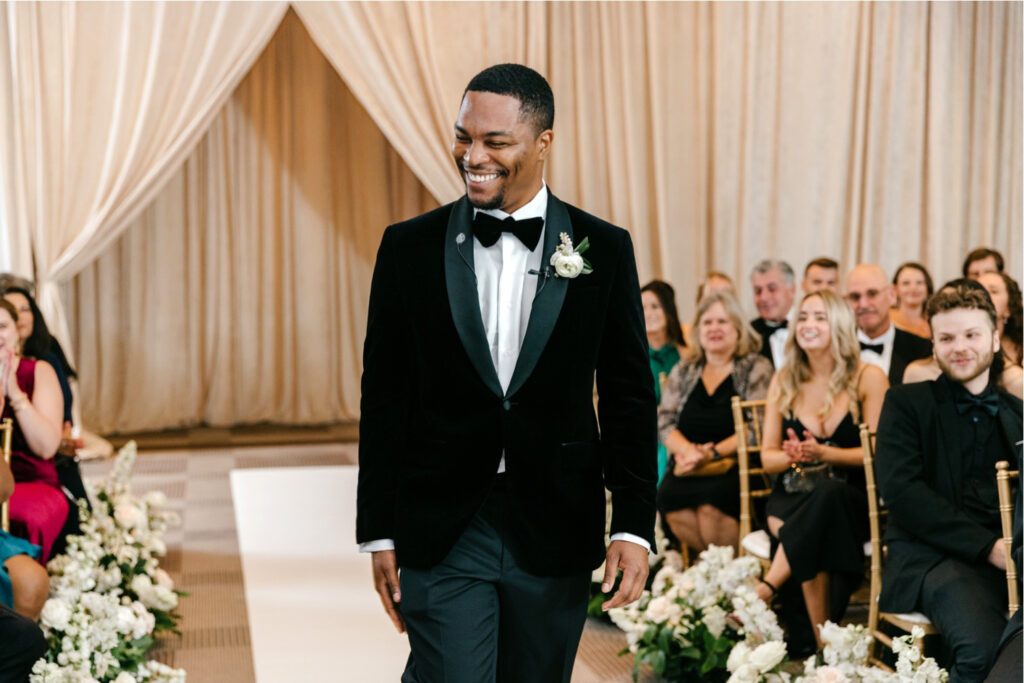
(313, 614)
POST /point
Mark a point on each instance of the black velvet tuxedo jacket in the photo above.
(435, 421)
(920, 470)
(906, 348)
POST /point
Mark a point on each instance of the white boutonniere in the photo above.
(568, 261)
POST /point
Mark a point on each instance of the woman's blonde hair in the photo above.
(748, 340)
(845, 350)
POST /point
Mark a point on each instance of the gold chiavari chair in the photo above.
(1003, 476)
(752, 541)
(6, 430)
(907, 621)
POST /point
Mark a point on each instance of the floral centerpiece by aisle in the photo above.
(844, 659)
(687, 625)
(108, 595)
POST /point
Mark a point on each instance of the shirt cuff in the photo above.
(378, 545)
(623, 536)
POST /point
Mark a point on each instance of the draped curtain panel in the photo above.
(240, 294)
(724, 133)
(104, 102)
(718, 133)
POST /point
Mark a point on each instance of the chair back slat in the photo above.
(874, 524)
(1003, 476)
(748, 443)
(6, 431)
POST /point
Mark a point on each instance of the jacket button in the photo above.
(507, 404)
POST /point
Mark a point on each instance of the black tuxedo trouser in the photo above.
(479, 617)
(21, 644)
(967, 604)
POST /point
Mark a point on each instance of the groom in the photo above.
(482, 469)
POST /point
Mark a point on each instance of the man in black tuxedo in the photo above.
(938, 443)
(774, 285)
(871, 295)
(482, 472)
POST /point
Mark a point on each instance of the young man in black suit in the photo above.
(938, 443)
(871, 295)
(482, 472)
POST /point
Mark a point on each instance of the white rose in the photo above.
(738, 657)
(127, 515)
(163, 579)
(660, 609)
(56, 614)
(157, 546)
(768, 655)
(124, 677)
(164, 599)
(568, 266)
(828, 674)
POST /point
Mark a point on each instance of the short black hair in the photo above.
(983, 253)
(536, 101)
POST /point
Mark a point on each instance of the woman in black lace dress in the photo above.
(818, 508)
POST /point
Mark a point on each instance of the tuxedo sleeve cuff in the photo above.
(623, 536)
(376, 546)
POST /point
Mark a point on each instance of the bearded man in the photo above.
(938, 443)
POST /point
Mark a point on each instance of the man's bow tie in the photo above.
(488, 229)
(877, 348)
(773, 329)
(987, 401)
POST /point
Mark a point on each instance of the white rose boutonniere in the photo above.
(568, 261)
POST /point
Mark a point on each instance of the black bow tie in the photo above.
(987, 401)
(488, 229)
(877, 348)
(772, 329)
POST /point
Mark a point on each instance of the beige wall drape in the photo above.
(239, 295)
(106, 101)
(723, 133)
(718, 133)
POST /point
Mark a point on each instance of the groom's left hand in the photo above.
(631, 558)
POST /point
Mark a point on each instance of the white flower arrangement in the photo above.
(108, 595)
(568, 261)
(690, 623)
(844, 659)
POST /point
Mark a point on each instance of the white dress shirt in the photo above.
(884, 359)
(506, 289)
(777, 343)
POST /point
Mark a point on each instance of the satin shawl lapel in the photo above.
(547, 302)
(463, 300)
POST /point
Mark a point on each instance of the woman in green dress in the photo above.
(664, 341)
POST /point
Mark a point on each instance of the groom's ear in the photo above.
(543, 143)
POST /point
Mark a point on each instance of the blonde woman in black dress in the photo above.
(818, 508)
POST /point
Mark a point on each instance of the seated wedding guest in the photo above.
(664, 340)
(31, 398)
(936, 450)
(1010, 379)
(38, 343)
(22, 644)
(24, 583)
(821, 273)
(774, 291)
(913, 287)
(871, 295)
(818, 507)
(715, 281)
(699, 496)
(982, 260)
(1006, 297)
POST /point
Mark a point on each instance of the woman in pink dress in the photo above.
(31, 397)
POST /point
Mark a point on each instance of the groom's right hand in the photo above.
(385, 581)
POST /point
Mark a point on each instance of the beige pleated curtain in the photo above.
(718, 134)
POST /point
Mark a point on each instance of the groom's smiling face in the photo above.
(499, 152)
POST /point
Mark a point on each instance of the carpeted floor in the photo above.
(203, 559)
